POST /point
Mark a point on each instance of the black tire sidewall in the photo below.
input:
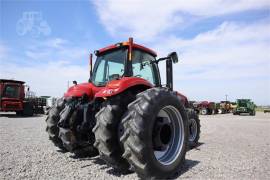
(157, 167)
(193, 115)
(53, 118)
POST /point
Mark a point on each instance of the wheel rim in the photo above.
(170, 135)
(203, 111)
(192, 130)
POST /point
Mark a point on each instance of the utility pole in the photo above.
(226, 105)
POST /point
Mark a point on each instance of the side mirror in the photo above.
(173, 56)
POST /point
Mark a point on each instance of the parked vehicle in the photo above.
(245, 106)
(233, 106)
(126, 115)
(50, 101)
(205, 107)
(225, 107)
(14, 98)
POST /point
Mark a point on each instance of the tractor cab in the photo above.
(11, 95)
(122, 66)
(128, 59)
(115, 63)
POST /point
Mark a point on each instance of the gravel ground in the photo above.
(231, 147)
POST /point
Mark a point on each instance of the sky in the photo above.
(223, 45)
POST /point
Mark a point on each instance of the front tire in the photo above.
(155, 134)
(194, 128)
(76, 140)
(106, 132)
(204, 111)
(252, 113)
(52, 121)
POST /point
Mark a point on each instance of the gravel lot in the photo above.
(231, 147)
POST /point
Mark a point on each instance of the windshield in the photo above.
(11, 91)
(242, 103)
(109, 66)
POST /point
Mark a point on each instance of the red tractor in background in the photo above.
(13, 98)
(125, 115)
(205, 107)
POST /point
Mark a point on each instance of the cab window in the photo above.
(109, 66)
(141, 65)
(11, 92)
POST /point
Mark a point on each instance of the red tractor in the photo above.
(13, 99)
(125, 115)
(205, 107)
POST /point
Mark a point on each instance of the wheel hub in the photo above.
(162, 133)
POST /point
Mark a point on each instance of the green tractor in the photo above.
(245, 106)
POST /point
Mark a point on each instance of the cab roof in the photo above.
(122, 44)
(11, 81)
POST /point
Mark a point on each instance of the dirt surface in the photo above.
(231, 147)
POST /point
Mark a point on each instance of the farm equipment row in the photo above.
(15, 96)
(238, 107)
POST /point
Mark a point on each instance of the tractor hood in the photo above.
(80, 89)
(117, 86)
(112, 88)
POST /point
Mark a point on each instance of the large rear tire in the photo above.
(155, 134)
(52, 121)
(194, 128)
(106, 132)
(252, 113)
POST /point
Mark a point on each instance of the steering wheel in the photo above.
(114, 76)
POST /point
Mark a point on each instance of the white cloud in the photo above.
(228, 59)
(230, 45)
(232, 58)
(36, 54)
(148, 19)
(50, 79)
(55, 42)
(55, 49)
(47, 66)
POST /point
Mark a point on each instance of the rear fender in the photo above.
(115, 87)
(183, 99)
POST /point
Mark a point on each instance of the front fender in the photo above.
(115, 87)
